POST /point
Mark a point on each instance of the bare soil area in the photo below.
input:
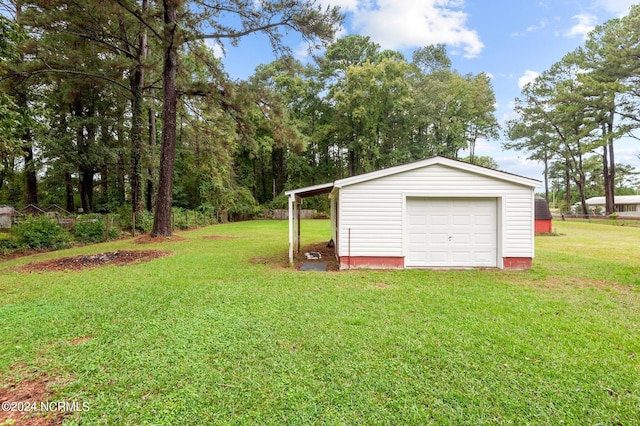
(23, 402)
(78, 263)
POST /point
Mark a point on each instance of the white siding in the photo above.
(371, 213)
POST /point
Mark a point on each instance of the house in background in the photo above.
(543, 218)
(625, 205)
(433, 213)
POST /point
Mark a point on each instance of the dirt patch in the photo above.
(219, 237)
(148, 239)
(327, 255)
(80, 340)
(78, 263)
(30, 403)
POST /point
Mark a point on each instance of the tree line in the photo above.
(105, 104)
(125, 103)
(572, 115)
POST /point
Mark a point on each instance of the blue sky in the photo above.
(510, 40)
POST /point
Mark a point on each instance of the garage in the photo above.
(457, 233)
(433, 213)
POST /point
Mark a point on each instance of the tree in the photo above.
(553, 119)
(371, 112)
(201, 19)
(483, 160)
(10, 118)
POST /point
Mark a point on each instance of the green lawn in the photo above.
(214, 335)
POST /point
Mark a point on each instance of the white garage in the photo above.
(434, 213)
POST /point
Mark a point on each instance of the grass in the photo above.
(210, 336)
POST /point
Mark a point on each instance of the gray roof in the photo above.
(542, 209)
(618, 199)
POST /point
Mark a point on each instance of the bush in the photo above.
(92, 230)
(144, 219)
(9, 245)
(42, 232)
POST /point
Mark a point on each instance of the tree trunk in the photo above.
(68, 189)
(546, 177)
(277, 161)
(120, 168)
(137, 88)
(352, 163)
(611, 203)
(86, 189)
(31, 181)
(136, 140)
(162, 216)
(567, 183)
(606, 175)
(150, 173)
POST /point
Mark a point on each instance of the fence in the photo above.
(283, 214)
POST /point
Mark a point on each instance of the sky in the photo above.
(511, 41)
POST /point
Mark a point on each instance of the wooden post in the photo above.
(133, 223)
(106, 227)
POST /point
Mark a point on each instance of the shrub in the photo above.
(92, 230)
(42, 232)
(144, 219)
(9, 245)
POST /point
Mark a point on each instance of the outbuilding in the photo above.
(433, 213)
(543, 217)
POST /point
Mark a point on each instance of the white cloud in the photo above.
(532, 28)
(585, 24)
(619, 7)
(400, 24)
(216, 47)
(345, 5)
(528, 77)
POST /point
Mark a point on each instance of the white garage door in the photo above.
(445, 232)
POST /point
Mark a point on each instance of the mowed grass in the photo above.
(215, 334)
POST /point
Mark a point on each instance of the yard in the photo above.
(220, 332)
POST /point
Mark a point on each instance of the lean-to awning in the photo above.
(295, 201)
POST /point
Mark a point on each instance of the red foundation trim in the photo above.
(516, 262)
(371, 262)
(543, 226)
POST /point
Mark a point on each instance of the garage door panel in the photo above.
(420, 239)
(417, 220)
(439, 220)
(451, 232)
(438, 258)
(461, 220)
(484, 219)
(460, 239)
(442, 239)
(485, 239)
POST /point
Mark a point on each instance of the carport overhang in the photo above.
(296, 197)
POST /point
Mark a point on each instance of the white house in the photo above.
(625, 205)
(433, 213)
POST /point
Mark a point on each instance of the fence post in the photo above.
(133, 223)
(106, 227)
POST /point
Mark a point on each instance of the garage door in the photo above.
(444, 232)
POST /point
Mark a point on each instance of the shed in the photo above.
(433, 213)
(543, 217)
(7, 213)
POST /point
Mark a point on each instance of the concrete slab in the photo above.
(314, 266)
